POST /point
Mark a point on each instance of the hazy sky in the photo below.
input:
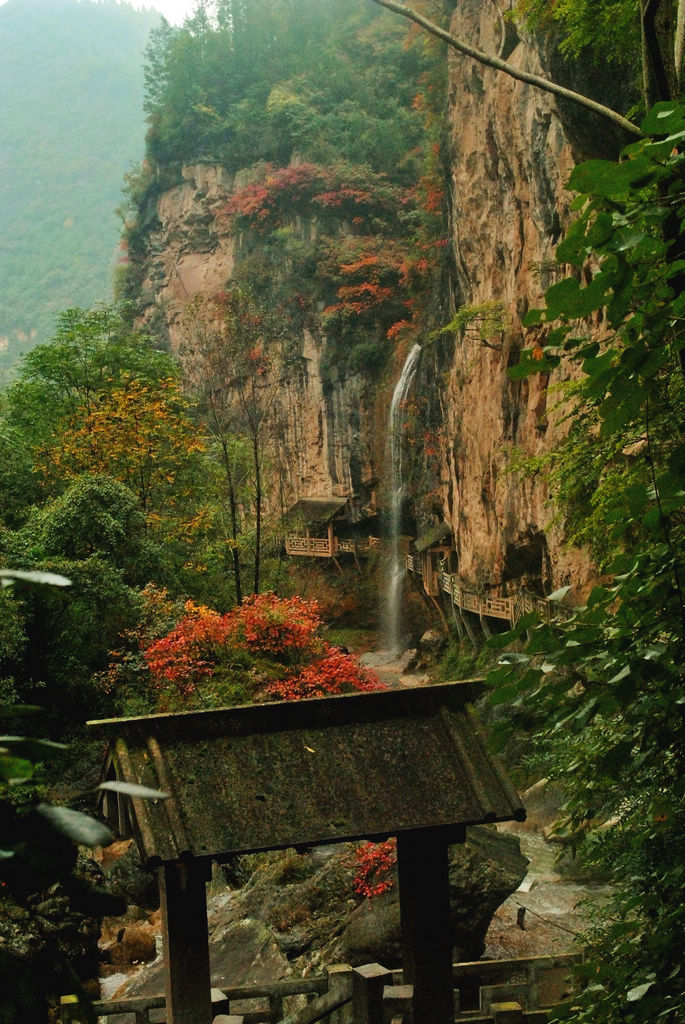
(173, 10)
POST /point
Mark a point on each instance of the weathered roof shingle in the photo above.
(308, 772)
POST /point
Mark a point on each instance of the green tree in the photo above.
(208, 369)
(233, 354)
(608, 682)
(88, 356)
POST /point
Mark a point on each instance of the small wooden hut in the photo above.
(311, 531)
(409, 763)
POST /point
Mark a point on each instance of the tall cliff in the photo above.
(509, 152)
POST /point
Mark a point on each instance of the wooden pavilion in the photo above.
(409, 763)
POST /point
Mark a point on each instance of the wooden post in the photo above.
(422, 862)
(186, 942)
(507, 1013)
(368, 983)
(340, 984)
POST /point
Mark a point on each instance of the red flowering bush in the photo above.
(332, 674)
(282, 628)
(375, 862)
(189, 650)
(268, 647)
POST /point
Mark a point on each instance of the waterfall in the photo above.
(393, 597)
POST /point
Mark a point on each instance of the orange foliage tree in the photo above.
(139, 433)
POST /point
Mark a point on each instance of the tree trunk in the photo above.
(659, 72)
(233, 507)
(491, 61)
(258, 509)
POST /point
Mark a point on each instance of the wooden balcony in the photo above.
(329, 547)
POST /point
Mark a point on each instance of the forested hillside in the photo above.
(71, 80)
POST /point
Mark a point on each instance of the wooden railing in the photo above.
(322, 547)
(510, 609)
(316, 546)
(486, 992)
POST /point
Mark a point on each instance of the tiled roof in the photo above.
(308, 772)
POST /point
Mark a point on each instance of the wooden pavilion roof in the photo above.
(315, 512)
(308, 772)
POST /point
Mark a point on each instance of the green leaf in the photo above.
(639, 991)
(513, 658)
(664, 118)
(567, 298)
(611, 180)
(15, 769)
(78, 827)
(7, 576)
(132, 789)
(27, 746)
(559, 594)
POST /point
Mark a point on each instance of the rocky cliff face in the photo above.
(509, 159)
(510, 152)
(326, 438)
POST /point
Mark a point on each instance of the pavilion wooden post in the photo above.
(427, 942)
(186, 941)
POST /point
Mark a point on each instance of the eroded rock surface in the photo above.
(297, 913)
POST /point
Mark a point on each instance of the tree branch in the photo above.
(679, 48)
(501, 65)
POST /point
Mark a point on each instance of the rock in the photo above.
(126, 876)
(299, 911)
(484, 871)
(374, 927)
(44, 942)
(242, 952)
(132, 945)
(432, 642)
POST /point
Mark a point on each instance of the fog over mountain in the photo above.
(71, 82)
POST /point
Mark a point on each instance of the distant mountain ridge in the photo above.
(71, 83)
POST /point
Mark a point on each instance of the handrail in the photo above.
(323, 547)
(511, 608)
(333, 991)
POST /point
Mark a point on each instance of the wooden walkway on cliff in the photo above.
(510, 609)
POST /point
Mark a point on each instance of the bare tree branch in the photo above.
(502, 65)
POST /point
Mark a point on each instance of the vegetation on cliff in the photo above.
(339, 223)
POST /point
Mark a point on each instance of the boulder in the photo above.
(131, 945)
(126, 876)
(299, 911)
(432, 642)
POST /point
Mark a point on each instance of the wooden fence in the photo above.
(486, 992)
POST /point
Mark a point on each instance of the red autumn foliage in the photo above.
(375, 862)
(284, 628)
(333, 674)
(188, 651)
(286, 191)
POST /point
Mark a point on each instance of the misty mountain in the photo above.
(71, 84)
